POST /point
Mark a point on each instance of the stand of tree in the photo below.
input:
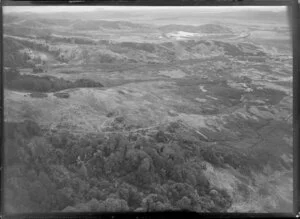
(59, 171)
(14, 80)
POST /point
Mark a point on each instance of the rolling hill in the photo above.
(128, 115)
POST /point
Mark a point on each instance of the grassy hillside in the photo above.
(126, 115)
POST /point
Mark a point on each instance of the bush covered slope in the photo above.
(119, 173)
(160, 170)
(15, 81)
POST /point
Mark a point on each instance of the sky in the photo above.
(51, 9)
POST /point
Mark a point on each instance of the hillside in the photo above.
(79, 50)
(113, 115)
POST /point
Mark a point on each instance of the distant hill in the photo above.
(8, 18)
(168, 17)
(206, 28)
(125, 52)
(264, 17)
(96, 24)
(214, 28)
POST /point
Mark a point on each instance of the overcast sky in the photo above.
(51, 9)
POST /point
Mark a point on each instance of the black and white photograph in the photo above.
(147, 109)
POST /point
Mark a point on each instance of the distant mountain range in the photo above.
(16, 22)
(206, 28)
(159, 17)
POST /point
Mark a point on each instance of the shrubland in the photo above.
(14, 80)
(116, 173)
(61, 171)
